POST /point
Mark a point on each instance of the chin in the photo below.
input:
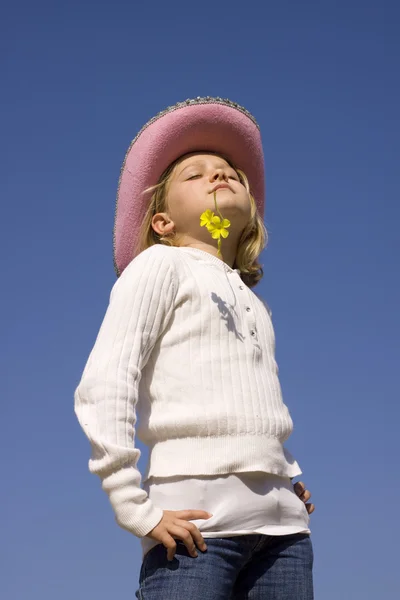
(233, 209)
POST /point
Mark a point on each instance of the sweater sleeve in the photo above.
(141, 304)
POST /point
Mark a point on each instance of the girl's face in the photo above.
(190, 192)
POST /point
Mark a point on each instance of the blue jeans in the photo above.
(245, 567)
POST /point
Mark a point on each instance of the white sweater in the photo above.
(184, 359)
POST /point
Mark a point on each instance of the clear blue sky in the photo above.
(79, 79)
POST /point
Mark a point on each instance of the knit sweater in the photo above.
(184, 361)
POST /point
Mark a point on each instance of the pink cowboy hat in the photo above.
(202, 124)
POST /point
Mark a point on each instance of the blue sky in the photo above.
(79, 79)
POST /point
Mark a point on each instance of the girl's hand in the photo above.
(176, 524)
(304, 495)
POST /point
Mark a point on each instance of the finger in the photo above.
(299, 488)
(170, 544)
(171, 553)
(310, 508)
(305, 496)
(183, 534)
(197, 537)
(192, 515)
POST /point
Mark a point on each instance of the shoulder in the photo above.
(155, 266)
(264, 303)
(157, 258)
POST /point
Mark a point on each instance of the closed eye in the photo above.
(193, 176)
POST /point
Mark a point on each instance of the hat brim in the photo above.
(211, 127)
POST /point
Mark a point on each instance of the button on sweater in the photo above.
(184, 361)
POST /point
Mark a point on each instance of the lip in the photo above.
(221, 185)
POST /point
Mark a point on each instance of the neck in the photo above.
(228, 250)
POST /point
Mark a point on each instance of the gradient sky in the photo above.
(79, 79)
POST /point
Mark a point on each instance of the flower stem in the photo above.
(221, 217)
(216, 206)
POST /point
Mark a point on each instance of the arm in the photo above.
(141, 304)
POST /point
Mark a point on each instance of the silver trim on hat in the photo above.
(177, 106)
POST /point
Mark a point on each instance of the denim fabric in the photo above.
(245, 567)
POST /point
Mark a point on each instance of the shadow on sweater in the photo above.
(227, 315)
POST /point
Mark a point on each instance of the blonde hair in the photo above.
(251, 243)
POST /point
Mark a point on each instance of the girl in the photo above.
(184, 359)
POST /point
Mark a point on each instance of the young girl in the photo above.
(184, 359)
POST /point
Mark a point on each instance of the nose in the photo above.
(219, 174)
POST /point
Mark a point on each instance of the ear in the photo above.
(162, 224)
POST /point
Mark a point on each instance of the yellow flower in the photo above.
(205, 218)
(217, 227)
